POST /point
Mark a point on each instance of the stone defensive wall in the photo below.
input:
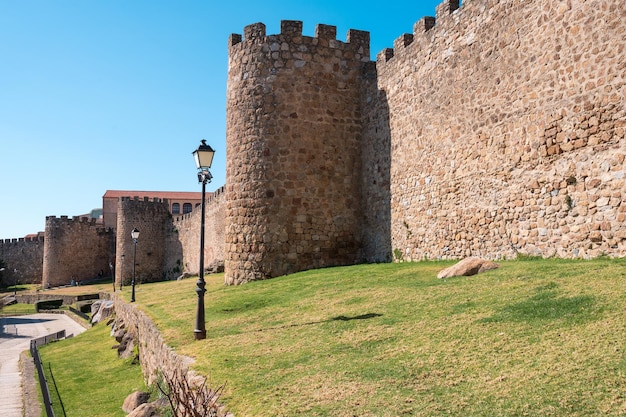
(293, 141)
(187, 234)
(23, 260)
(75, 248)
(504, 122)
(495, 128)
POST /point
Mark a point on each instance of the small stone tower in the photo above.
(293, 143)
(76, 248)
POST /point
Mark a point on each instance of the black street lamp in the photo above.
(123, 268)
(112, 275)
(204, 158)
(135, 235)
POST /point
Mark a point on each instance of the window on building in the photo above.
(187, 207)
(175, 208)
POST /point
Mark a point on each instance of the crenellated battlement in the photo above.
(291, 31)
(214, 198)
(66, 221)
(446, 8)
(421, 30)
(144, 199)
(217, 194)
(74, 219)
(37, 239)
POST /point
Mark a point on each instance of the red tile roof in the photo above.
(170, 195)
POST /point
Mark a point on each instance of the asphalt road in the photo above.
(15, 336)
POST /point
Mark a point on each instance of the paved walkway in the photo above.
(15, 336)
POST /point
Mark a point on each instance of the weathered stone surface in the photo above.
(8, 300)
(157, 359)
(498, 143)
(293, 123)
(145, 410)
(156, 408)
(74, 249)
(106, 309)
(215, 267)
(134, 400)
(468, 266)
(24, 255)
(183, 276)
(188, 235)
(119, 334)
(126, 348)
(95, 307)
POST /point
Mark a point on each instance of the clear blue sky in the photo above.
(116, 94)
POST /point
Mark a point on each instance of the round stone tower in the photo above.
(293, 151)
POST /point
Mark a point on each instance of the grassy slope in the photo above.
(537, 337)
(92, 381)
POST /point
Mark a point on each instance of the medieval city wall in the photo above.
(23, 260)
(293, 138)
(187, 233)
(495, 128)
(506, 128)
(76, 249)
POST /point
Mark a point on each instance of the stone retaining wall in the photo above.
(67, 299)
(155, 356)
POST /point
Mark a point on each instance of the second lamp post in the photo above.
(135, 235)
(204, 158)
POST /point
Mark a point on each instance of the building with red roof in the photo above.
(179, 202)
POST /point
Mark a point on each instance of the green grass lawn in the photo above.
(91, 380)
(17, 309)
(534, 337)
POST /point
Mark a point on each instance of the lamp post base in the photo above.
(199, 334)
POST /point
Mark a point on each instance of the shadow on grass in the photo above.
(338, 318)
(546, 305)
(361, 317)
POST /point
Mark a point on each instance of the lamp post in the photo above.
(204, 158)
(112, 275)
(123, 269)
(135, 235)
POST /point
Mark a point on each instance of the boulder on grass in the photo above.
(153, 409)
(134, 400)
(468, 266)
(184, 275)
(95, 306)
